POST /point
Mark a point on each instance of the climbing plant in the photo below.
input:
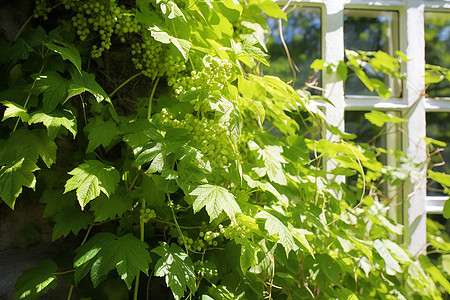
(157, 146)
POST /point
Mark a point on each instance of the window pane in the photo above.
(355, 122)
(369, 31)
(437, 48)
(302, 35)
(438, 128)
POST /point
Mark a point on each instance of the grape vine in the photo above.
(147, 134)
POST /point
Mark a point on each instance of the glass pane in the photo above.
(302, 35)
(369, 31)
(438, 128)
(366, 132)
(437, 48)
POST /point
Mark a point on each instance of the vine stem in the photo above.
(150, 100)
(177, 225)
(141, 233)
(69, 296)
(22, 28)
(124, 83)
(29, 95)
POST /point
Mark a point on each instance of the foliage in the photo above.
(146, 131)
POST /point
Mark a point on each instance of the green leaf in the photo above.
(66, 50)
(442, 178)
(13, 177)
(380, 87)
(29, 144)
(434, 272)
(318, 64)
(91, 253)
(54, 88)
(342, 70)
(138, 133)
(273, 162)
(104, 252)
(446, 263)
(100, 133)
(163, 36)
(14, 110)
(391, 265)
(299, 235)
(216, 199)
(85, 82)
(90, 178)
(170, 9)
(70, 219)
(54, 120)
(108, 208)
(248, 256)
(269, 8)
(379, 118)
(177, 268)
(36, 281)
(446, 210)
(329, 267)
(430, 141)
(275, 227)
(55, 201)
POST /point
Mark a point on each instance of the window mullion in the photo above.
(415, 204)
(333, 52)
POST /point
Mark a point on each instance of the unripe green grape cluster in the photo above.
(151, 57)
(240, 29)
(204, 240)
(41, 9)
(215, 75)
(211, 138)
(235, 230)
(103, 20)
(146, 214)
(240, 194)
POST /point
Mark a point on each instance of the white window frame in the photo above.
(412, 105)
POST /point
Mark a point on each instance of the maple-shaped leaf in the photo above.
(54, 88)
(100, 133)
(70, 219)
(14, 110)
(138, 133)
(85, 82)
(54, 120)
(66, 50)
(104, 252)
(177, 268)
(55, 200)
(91, 178)
(13, 177)
(36, 281)
(273, 162)
(29, 144)
(108, 208)
(216, 199)
(275, 227)
(156, 151)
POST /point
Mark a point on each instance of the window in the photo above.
(437, 49)
(419, 29)
(302, 37)
(369, 30)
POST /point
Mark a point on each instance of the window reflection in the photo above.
(369, 31)
(437, 128)
(302, 34)
(437, 48)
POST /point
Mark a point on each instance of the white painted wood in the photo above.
(435, 204)
(333, 52)
(414, 209)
